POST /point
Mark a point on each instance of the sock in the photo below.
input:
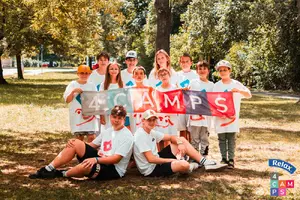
(50, 167)
(202, 161)
(64, 173)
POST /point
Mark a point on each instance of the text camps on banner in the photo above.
(137, 100)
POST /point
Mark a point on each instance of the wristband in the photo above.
(97, 159)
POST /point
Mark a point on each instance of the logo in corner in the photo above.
(279, 187)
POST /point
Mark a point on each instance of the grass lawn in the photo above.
(34, 127)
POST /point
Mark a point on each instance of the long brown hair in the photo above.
(107, 80)
(156, 65)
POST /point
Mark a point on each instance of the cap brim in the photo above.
(222, 66)
(151, 116)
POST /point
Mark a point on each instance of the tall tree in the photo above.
(164, 24)
(2, 22)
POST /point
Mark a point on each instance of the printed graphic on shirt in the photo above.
(87, 118)
(185, 83)
(164, 121)
(107, 145)
(129, 84)
(158, 84)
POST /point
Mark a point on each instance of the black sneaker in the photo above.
(60, 173)
(231, 164)
(224, 161)
(44, 174)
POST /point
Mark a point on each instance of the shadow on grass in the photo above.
(126, 188)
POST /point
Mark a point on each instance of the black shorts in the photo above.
(99, 171)
(165, 168)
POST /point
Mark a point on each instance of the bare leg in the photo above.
(166, 143)
(180, 166)
(161, 145)
(78, 171)
(188, 136)
(190, 150)
(68, 153)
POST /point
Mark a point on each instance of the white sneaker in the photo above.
(216, 167)
(193, 166)
(209, 162)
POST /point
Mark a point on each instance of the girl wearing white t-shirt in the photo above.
(113, 80)
(161, 60)
(227, 127)
(166, 123)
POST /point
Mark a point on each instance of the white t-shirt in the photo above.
(224, 125)
(198, 85)
(167, 123)
(185, 78)
(96, 79)
(77, 123)
(144, 142)
(155, 82)
(110, 87)
(116, 142)
(128, 79)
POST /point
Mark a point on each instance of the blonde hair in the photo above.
(156, 65)
(107, 80)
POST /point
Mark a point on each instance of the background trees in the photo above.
(260, 37)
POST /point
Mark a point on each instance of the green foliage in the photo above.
(261, 39)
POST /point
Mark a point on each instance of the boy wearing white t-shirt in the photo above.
(169, 160)
(131, 61)
(228, 127)
(110, 162)
(80, 125)
(199, 123)
(98, 74)
(185, 76)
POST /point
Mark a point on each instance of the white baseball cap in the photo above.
(149, 113)
(131, 54)
(223, 63)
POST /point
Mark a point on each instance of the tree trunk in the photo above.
(2, 80)
(90, 62)
(19, 67)
(164, 25)
(298, 16)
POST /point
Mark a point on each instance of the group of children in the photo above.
(163, 78)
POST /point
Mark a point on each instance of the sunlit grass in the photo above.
(34, 127)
